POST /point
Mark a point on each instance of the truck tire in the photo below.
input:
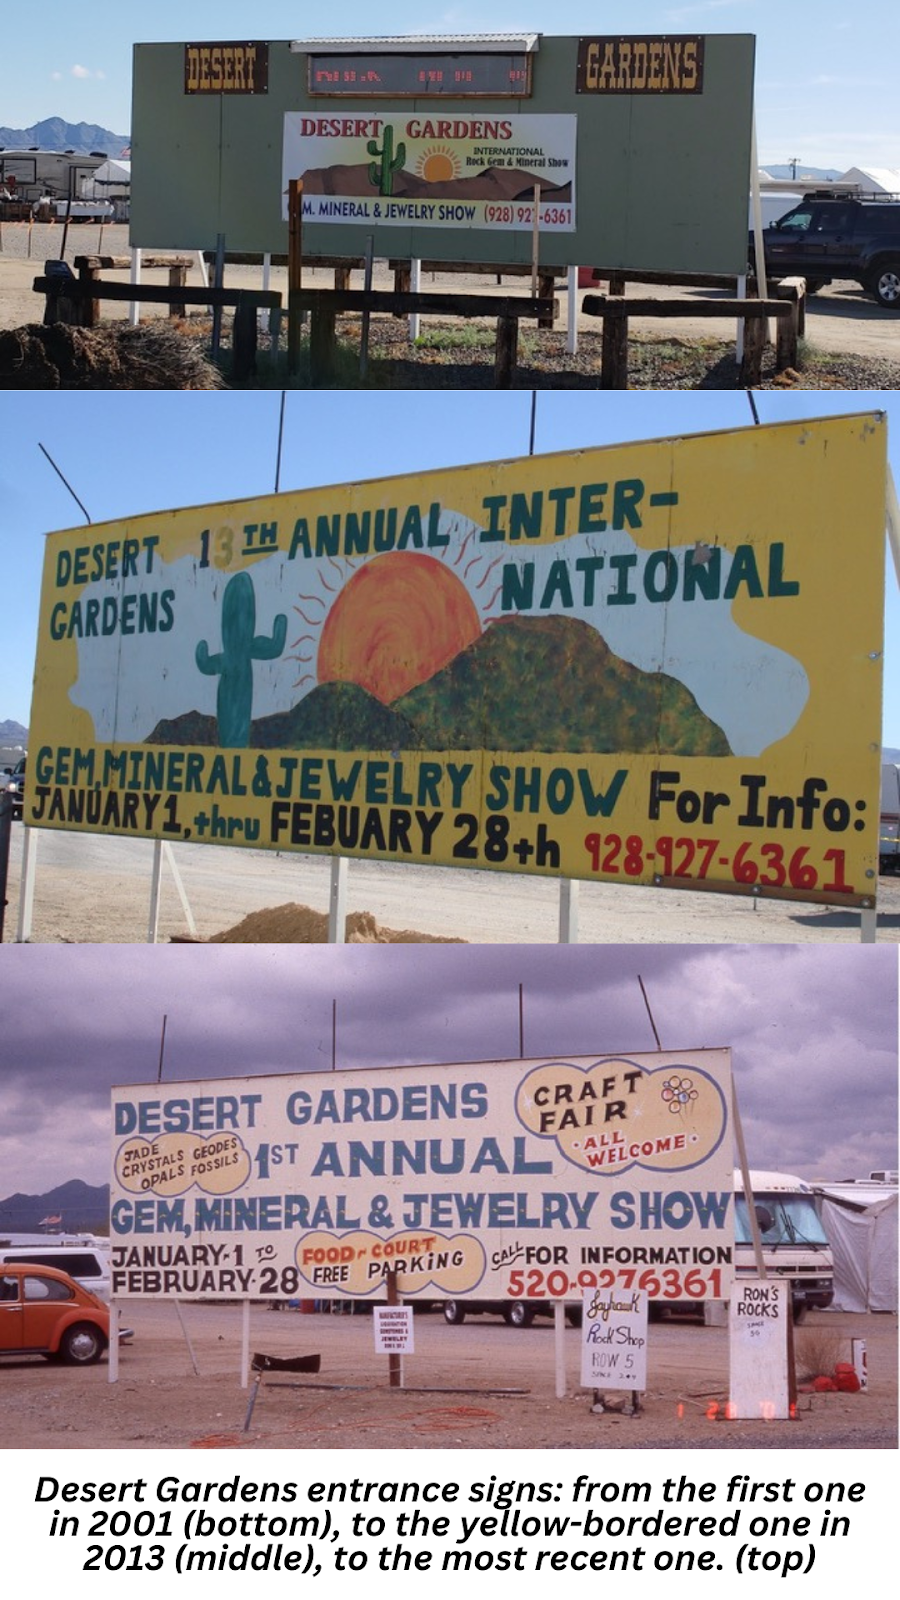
(518, 1314)
(454, 1312)
(885, 284)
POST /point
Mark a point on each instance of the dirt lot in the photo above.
(94, 890)
(858, 341)
(452, 1398)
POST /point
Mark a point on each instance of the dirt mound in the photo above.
(293, 924)
(112, 356)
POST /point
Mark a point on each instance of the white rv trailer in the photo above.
(57, 175)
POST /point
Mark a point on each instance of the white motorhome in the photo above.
(794, 1242)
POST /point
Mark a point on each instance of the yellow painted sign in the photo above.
(658, 662)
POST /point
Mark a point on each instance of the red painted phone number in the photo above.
(667, 1284)
(770, 866)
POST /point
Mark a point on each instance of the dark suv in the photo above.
(838, 235)
(14, 784)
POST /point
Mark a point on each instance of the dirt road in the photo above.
(479, 1386)
(90, 889)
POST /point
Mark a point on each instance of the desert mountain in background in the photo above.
(56, 134)
(83, 1209)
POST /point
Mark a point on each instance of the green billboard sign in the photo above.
(636, 151)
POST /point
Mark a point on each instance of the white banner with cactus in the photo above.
(428, 169)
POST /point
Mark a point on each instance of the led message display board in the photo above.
(528, 1180)
(436, 148)
(657, 662)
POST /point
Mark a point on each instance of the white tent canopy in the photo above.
(114, 174)
(864, 1242)
(873, 180)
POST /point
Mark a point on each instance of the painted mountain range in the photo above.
(527, 683)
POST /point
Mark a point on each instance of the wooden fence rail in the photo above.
(786, 311)
(76, 301)
(325, 304)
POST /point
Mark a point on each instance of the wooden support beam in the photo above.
(177, 280)
(157, 293)
(506, 352)
(545, 292)
(790, 329)
(597, 305)
(754, 345)
(430, 302)
(89, 314)
(614, 356)
(295, 271)
(322, 346)
(244, 340)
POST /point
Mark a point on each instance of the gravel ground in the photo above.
(91, 889)
(448, 358)
(852, 343)
(479, 1386)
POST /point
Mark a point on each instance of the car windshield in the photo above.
(783, 1219)
(799, 220)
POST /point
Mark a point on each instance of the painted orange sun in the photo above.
(399, 620)
(438, 163)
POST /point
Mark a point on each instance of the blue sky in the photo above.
(129, 453)
(826, 76)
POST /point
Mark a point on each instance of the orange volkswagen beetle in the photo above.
(46, 1313)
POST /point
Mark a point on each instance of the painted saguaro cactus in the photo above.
(383, 176)
(233, 664)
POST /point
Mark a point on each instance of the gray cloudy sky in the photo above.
(813, 1030)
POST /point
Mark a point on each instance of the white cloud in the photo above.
(81, 72)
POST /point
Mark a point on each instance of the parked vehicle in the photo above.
(88, 1265)
(45, 1312)
(795, 1245)
(838, 234)
(32, 175)
(14, 784)
(515, 1313)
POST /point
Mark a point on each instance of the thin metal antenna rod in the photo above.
(649, 1013)
(521, 1024)
(749, 394)
(280, 438)
(65, 480)
(162, 1050)
(533, 421)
